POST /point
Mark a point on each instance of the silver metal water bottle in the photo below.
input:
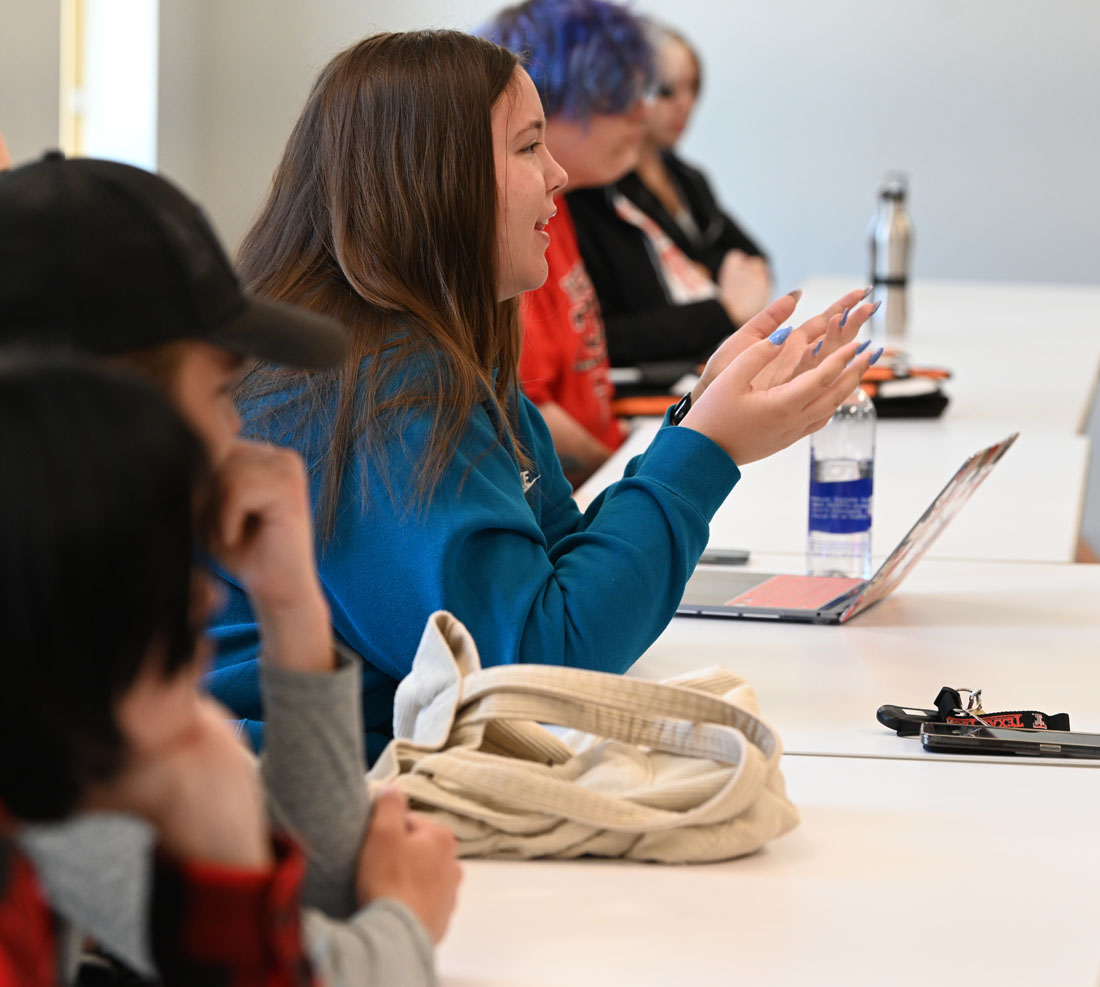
(891, 236)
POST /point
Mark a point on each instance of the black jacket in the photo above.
(642, 324)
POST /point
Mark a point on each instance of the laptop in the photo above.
(835, 599)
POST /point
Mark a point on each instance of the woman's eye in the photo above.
(530, 148)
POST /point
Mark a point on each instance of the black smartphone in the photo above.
(960, 738)
(725, 556)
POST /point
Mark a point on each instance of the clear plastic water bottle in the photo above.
(891, 239)
(842, 470)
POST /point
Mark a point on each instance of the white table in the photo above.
(1027, 634)
(1025, 359)
(1028, 508)
(897, 868)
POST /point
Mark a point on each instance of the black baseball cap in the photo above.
(105, 257)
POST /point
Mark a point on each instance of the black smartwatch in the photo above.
(683, 406)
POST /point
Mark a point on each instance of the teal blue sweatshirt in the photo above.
(506, 550)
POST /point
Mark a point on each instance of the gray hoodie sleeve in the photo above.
(315, 774)
(382, 944)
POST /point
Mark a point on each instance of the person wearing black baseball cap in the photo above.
(107, 260)
(107, 257)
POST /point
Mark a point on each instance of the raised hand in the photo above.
(263, 535)
(411, 859)
(815, 340)
(752, 420)
(775, 316)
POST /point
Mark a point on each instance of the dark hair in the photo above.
(585, 56)
(101, 497)
(383, 214)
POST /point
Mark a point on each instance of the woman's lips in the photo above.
(540, 225)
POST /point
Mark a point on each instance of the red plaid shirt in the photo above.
(214, 926)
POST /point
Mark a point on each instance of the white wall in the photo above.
(30, 76)
(179, 98)
(991, 105)
(251, 65)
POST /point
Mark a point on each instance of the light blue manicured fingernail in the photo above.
(876, 306)
(874, 359)
(863, 346)
(780, 335)
(817, 348)
(845, 318)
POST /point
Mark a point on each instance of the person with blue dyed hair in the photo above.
(585, 57)
(593, 68)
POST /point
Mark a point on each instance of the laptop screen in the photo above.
(949, 500)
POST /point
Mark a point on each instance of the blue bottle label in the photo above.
(842, 508)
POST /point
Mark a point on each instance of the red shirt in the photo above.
(564, 357)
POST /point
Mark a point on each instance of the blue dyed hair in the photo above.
(584, 56)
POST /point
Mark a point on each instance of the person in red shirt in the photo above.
(564, 365)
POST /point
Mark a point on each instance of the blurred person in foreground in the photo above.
(114, 263)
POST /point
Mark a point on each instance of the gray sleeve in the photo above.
(315, 774)
(382, 944)
(97, 871)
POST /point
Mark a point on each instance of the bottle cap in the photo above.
(894, 185)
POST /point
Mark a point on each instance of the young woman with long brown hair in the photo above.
(410, 204)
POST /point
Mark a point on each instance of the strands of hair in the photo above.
(382, 214)
(100, 526)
